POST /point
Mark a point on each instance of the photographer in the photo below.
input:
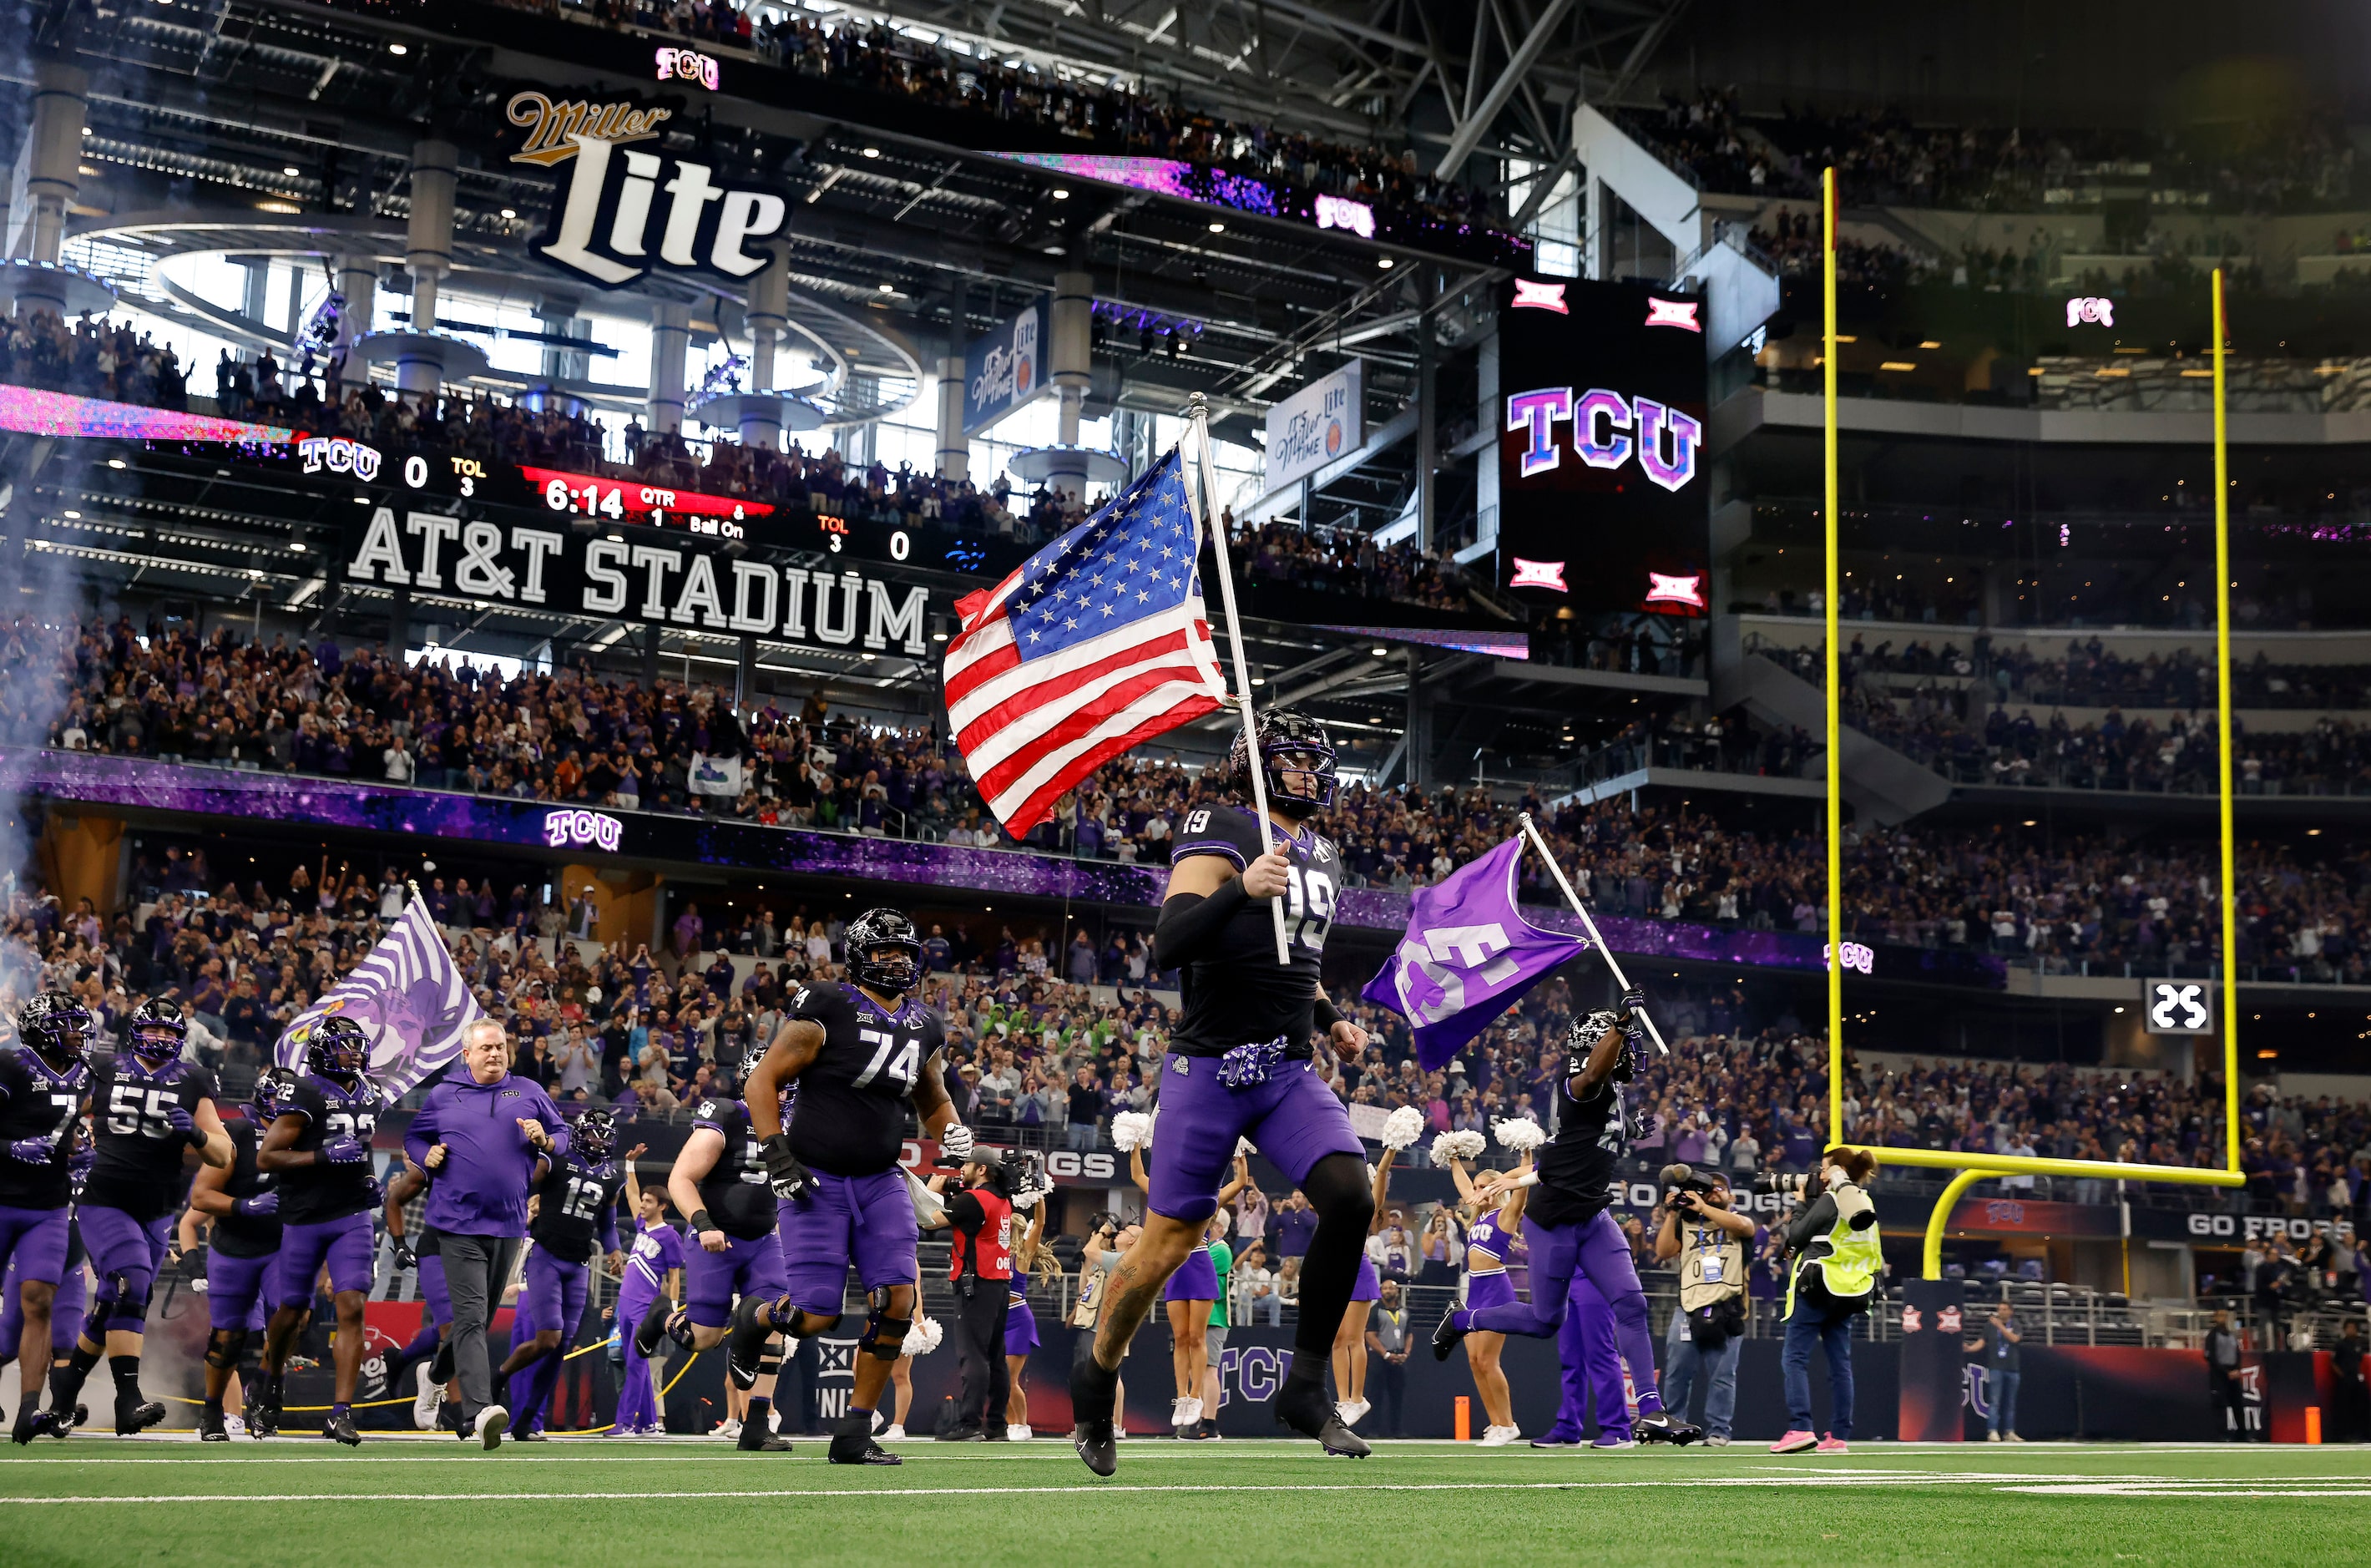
(1833, 1243)
(1713, 1244)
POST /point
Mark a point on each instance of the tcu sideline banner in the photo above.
(653, 581)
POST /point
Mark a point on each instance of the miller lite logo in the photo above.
(1680, 313)
(1662, 589)
(553, 125)
(603, 228)
(1538, 574)
(1532, 295)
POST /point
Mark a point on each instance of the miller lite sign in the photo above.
(1316, 425)
(622, 213)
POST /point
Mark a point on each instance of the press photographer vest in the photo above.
(1848, 1259)
(1712, 1267)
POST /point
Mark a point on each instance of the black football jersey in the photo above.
(850, 1116)
(735, 1192)
(140, 1165)
(1240, 994)
(246, 1235)
(310, 1194)
(1577, 1166)
(38, 1101)
(570, 1203)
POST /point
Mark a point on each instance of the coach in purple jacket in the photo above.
(479, 1136)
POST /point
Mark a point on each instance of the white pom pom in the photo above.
(1132, 1130)
(1402, 1127)
(1465, 1146)
(1027, 1199)
(1519, 1134)
(923, 1338)
(1245, 1148)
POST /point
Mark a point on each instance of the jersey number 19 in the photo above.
(1308, 906)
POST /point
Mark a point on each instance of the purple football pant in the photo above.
(710, 1280)
(126, 1253)
(65, 1313)
(34, 1242)
(638, 1399)
(240, 1291)
(553, 1297)
(1585, 1348)
(345, 1244)
(866, 1222)
(1596, 1249)
(1293, 1119)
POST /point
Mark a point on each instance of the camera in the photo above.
(1790, 1190)
(1686, 1178)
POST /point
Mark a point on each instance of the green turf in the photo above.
(295, 1503)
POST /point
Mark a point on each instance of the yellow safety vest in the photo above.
(1848, 1260)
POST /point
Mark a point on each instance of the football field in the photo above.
(679, 1502)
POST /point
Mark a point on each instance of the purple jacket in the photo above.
(489, 1166)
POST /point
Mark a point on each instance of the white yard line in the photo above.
(2138, 1487)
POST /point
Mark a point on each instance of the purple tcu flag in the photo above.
(1467, 955)
(407, 994)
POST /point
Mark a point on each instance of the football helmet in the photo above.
(57, 1025)
(338, 1049)
(157, 1030)
(877, 929)
(1292, 746)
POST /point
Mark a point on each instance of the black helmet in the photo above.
(57, 1025)
(339, 1048)
(595, 1134)
(875, 929)
(271, 1083)
(157, 1031)
(1289, 742)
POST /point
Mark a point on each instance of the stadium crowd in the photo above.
(581, 737)
(2301, 163)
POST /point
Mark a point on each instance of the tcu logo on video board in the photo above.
(582, 829)
(1602, 425)
(339, 455)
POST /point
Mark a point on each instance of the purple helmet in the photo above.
(157, 1030)
(57, 1025)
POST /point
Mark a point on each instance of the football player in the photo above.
(719, 1180)
(148, 1107)
(1566, 1225)
(1240, 1065)
(858, 1049)
(45, 1085)
(318, 1148)
(575, 1220)
(243, 1250)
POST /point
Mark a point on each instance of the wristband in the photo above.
(1328, 1014)
(699, 1222)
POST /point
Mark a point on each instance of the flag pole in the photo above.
(1532, 831)
(1198, 412)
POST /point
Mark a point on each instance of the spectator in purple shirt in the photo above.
(689, 932)
(480, 1133)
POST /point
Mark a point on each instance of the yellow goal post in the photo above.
(1976, 1166)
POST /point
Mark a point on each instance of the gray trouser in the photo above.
(475, 1270)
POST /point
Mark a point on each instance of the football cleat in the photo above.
(746, 1342)
(1093, 1390)
(134, 1416)
(1659, 1427)
(213, 1426)
(1304, 1408)
(1096, 1445)
(853, 1445)
(340, 1428)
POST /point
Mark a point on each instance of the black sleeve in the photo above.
(965, 1212)
(1812, 1223)
(1190, 923)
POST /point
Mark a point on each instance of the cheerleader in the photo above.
(1030, 1257)
(1192, 1294)
(1492, 1209)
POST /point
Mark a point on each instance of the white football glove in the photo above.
(956, 1142)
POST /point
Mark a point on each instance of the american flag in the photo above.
(1096, 644)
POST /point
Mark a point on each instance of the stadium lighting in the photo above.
(1060, 194)
(398, 49)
